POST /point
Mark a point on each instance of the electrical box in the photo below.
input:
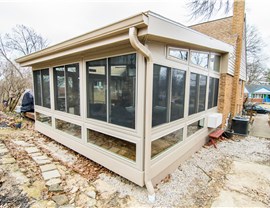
(214, 120)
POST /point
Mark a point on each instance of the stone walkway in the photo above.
(261, 126)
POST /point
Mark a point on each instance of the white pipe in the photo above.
(136, 44)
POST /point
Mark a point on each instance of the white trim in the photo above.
(168, 56)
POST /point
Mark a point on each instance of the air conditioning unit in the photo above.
(214, 120)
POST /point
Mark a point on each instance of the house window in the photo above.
(214, 62)
(160, 145)
(194, 127)
(42, 88)
(168, 94)
(199, 59)
(68, 128)
(213, 92)
(178, 53)
(114, 102)
(44, 118)
(117, 146)
(67, 88)
(197, 93)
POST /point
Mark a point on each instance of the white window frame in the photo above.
(174, 58)
(198, 66)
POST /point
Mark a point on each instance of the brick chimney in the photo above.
(237, 30)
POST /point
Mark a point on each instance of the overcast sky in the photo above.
(62, 20)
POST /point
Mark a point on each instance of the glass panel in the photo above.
(179, 54)
(200, 59)
(178, 94)
(194, 127)
(202, 96)
(112, 144)
(60, 88)
(73, 89)
(46, 88)
(215, 62)
(216, 92)
(68, 128)
(193, 93)
(44, 118)
(160, 145)
(37, 87)
(211, 92)
(160, 95)
(122, 71)
(97, 84)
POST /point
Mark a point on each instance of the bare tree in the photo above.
(205, 9)
(13, 79)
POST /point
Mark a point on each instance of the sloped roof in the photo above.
(254, 88)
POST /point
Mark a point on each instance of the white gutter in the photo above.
(136, 44)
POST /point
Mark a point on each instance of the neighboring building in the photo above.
(258, 93)
(138, 96)
(230, 30)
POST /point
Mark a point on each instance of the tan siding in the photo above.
(231, 65)
(243, 67)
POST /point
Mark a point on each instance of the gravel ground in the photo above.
(198, 180)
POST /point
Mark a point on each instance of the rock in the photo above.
(44, 204)
(19, 176)
(60, 199)
(42, 162)
(47, 167)
(3, 151)
(74, 189)
(56, 188)
(104, 189)
(36, 154)
(35, 191)
(84, 201)
(67, 206)
(8, 160)
(53, 181)
(50, 174)
(90, 192)
(30, 150)
(23, 143)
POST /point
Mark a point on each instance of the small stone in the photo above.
(8, 160)
(74, 189)
(56, 188)
(42, 162)
(47, 167)
(67, 206)
(104, 188)
(44, 204)
(36, 154)
(60, 199)
(53, 181)
(90, 192)
(42, 157)
(23, 143)
(23, 170)
(3, 151)
(84, 201)
(50, 174)
(30, 150)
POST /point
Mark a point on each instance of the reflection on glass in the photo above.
(160, 145)
(160, 95)
(211, 92)
(194, 127)
(178, 94)
(37, 87)
(214, 62)
(68, 128)
(60, 89)
(178, 53)
(193, 93)
(216, 92)
(97, 85)
(202, 95)
(46, 88)
(200, 59)
(44, 118)
(73, 89)
(122, 74)
(112, 144)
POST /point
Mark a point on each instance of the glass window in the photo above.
(46, 88)
(44, 118)
(97, 89)
(194, 127)
(200, 59)
(213, 92)
(178, 94)
(37, 87)
(122, 74)
(197, 93)
(118, 146)
(215, 62)
(160, 145)
(68, 128)
(178, 54)
(160, 95)
(67, 88)
(42, 88)
(60, 88)
(216, 92)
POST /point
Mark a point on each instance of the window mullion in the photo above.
(169, 94)
(108, 102)
(65, 78)
(41, 88)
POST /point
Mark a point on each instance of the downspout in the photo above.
(138, 46)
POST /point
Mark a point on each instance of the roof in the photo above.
(253, 88)
(151, 26)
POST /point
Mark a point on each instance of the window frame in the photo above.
(220, 63)
(198, 66)
(175, 58)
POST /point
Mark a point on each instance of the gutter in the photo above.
(140, 48)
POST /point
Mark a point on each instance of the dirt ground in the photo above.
(36, 171)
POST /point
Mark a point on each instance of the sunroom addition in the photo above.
(132, 96)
